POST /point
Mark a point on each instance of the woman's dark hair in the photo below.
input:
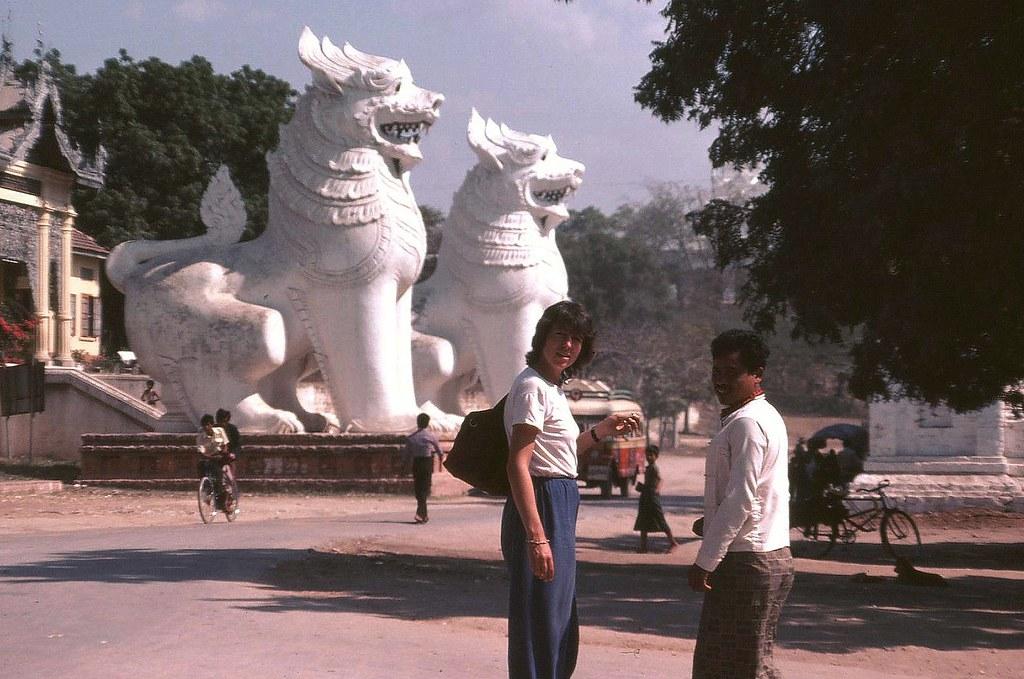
(205, 420)
(223, 415)
(573, 318)
(753, 353)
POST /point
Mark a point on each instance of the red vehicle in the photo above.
(618, 459)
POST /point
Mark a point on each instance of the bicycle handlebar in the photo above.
(877, 489)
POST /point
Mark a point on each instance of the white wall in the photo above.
(76, 403)
(912, 429)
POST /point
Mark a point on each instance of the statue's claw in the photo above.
(331, 424)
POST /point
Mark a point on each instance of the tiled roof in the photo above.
(83, 242)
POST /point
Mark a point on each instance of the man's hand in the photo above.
(699, 579)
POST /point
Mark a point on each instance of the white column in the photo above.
(43, 316)
(64, 310)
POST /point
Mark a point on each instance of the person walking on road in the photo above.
(422, 445)
(538, 524)
(744, 567)
(650, 517)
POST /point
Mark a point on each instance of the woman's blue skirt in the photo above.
(543, 630)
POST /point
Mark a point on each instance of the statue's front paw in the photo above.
(284, 422)
(440, 421)
(331, 423)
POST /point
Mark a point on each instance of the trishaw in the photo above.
(824, 508)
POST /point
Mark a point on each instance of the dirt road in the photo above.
(847, 615)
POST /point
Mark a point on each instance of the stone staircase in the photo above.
(327, 462)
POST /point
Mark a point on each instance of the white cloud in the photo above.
(603, 25)
(571, 25)
(198, 10)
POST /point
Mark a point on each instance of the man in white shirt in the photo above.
(744, 567)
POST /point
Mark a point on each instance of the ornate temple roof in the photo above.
(31, 129)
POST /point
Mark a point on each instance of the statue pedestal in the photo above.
(937, 460)
(270, 462)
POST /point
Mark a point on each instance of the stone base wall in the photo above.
(917, 493)
(330, 462)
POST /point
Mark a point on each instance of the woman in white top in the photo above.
(538, 528)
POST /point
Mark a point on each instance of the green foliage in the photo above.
(166, 130)
(658, 300)
(615, 277)
(892, 141)
(433, 221)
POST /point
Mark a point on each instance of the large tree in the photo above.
(166, 130)
(657, 301)
(891, 138)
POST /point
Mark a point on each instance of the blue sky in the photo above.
(537, 65)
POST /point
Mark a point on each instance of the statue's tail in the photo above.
(223, 213)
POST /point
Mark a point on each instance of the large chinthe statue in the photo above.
(327, 287)
(498, 267)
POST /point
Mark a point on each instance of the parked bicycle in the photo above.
(838, 516)
(216, 496)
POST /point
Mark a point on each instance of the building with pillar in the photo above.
(45, 264)
(938, 459)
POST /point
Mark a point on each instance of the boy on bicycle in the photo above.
(215, 460)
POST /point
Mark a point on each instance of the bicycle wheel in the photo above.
(900, 537)
(207, 508)
(818, 540)
(231, 500)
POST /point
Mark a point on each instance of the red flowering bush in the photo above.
(16, 336)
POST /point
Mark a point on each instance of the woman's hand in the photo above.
(542, 563)
(619, 423)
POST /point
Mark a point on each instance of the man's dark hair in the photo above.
(205, 420)
(753, 352)
(422, 420)
(571, 317)
(223, 415)
(655, 450)
(150, 384)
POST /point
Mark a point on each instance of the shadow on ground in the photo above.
(825, 613)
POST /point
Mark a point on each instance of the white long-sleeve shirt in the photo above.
(746, 485)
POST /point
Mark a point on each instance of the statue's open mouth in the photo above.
(403, 133)
(551, 195)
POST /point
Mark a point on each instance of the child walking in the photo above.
(650, 517)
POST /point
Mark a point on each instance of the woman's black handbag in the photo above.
(479, 454)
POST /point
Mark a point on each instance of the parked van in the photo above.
(618, 460)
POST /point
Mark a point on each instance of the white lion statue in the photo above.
(328, 285)
(498, 267)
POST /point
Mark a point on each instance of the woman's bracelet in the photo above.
(538, 543)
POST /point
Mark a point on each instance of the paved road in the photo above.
(380, 597)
